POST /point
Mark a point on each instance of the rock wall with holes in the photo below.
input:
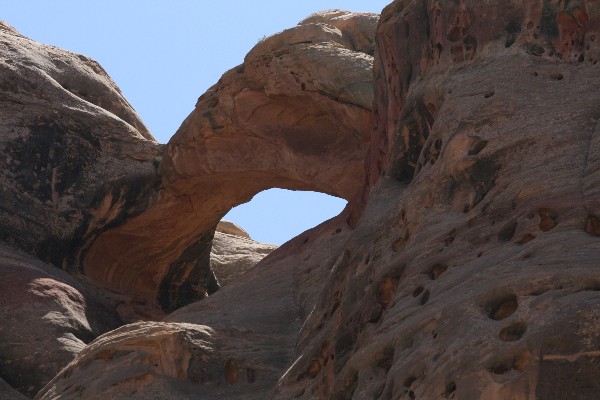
(468, 266)
(480, 276)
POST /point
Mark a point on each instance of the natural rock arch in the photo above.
(284, 118)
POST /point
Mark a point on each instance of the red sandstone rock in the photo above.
(284, 118)
(75, 156)
(471, 272)
(232, 255)
(47, 318)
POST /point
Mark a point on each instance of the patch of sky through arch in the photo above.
(278, 215)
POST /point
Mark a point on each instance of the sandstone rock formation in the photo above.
(231, 228)
(76, 158)
(471, 267)
(284, 118)
(233, 344)
(47, 318)
(233, 255)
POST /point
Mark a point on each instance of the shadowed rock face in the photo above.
(75, 156)
(471, 272)
(284, 118)
(47, 318)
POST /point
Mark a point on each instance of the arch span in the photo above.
(295, 115)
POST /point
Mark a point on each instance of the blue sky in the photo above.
(165, 54)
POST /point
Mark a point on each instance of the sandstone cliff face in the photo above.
(471, 268)
(76, 158)
(284, 118)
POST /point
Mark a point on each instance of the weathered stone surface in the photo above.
(47, 318)
(8, 393)
(471, 272)
(234, 344)
(483, 282)
(231, 228)
(75, 156)
(472, 268)
(233, 255)
(284, 118)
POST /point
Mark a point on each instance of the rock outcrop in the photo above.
(232, 255)
(231, 228)
(234, 344)
(76, 159)
(284, 118)
(470, 270)
(47, 319)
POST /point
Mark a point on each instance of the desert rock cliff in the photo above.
(465, 266)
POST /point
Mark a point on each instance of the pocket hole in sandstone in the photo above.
(489, 94)
(450, 389)
(503, 308)
(434, 335)
(411, 395)
(525, 239)
(437, 271)
(548, 219)
(593, 225)
(387, 289)
(513, 332)
(507, 232)
(557, 76)
(418, 291)
(425, 297)
(409, 381)
(477, 146)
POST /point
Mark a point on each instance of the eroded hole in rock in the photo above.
(478, 145)
(513, 332)
(593, 225)
(502, 308)
(548, 219)
(518, 363)
(278, 215)
(418, 291)
(507, 232)
(437, 271)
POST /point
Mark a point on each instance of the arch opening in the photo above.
(278, 215)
